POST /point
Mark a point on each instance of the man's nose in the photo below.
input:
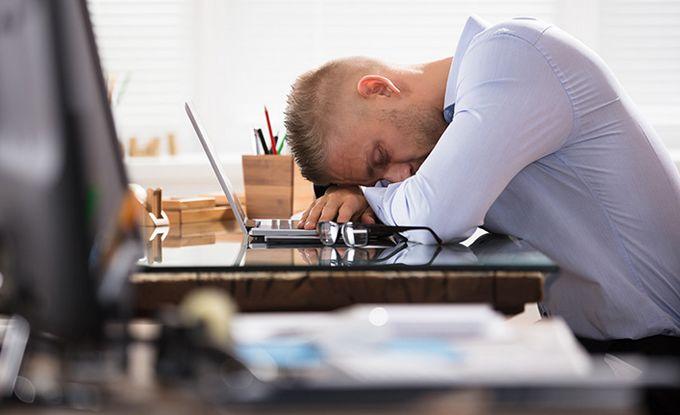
(397, 172)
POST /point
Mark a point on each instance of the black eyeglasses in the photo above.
(359, 234)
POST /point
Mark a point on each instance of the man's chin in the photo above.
(415, 166)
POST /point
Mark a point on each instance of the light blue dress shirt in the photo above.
(544, 144)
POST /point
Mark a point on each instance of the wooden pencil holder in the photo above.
(268, 182)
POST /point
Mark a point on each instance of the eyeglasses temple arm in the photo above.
(418, 228)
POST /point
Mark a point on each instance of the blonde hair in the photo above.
(312, 104)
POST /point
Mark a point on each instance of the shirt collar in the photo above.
(473, 27)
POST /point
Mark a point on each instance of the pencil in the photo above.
(282, 141)
(271, 133)
(264, 143)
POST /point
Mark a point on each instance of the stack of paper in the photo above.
(392, 345)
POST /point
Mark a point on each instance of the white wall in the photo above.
(232, 57)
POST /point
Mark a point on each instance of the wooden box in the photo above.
(268, 182)
(303, 191)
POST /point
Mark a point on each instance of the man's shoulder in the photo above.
(527, 28)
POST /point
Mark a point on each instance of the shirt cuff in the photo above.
(374, 196)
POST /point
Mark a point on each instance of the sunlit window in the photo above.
(232, 57)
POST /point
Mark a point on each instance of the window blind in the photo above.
(640, 40)
(234, 56)
(149, 43)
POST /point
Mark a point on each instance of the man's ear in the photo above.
(376, 85)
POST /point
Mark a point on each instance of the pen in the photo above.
(271, 133)
(257, 145)
(264, 143)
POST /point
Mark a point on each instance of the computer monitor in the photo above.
(67, 234)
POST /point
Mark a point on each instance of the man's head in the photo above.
(358, 120)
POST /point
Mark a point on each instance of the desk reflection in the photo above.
(488, 250)
(223, 247)
(402, 254)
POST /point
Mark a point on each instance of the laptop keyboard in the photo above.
(275, 224)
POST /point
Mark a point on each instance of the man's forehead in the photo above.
(348, 162)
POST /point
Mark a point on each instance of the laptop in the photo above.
(268, 229)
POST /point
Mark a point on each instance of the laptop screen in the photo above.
(217, 167)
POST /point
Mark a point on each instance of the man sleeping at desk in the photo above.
(524, 131)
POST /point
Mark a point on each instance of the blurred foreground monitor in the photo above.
(67, 231)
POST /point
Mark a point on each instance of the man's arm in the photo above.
(511, 110)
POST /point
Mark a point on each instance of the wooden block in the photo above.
(151, 148)
(172, 144)
(149, 196)
(154, 147)
(186, 230)
(219, 213)
(155, 203)
(189, 203)
(174, 216)
(150, 220)
(201, 228)
(172, 243)
(155, 249)
(196, 202)
(205, 239)
(133, 149)
(171, 204)
(220, 198)
(154, 215)
(175, 230)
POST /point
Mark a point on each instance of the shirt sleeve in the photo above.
(511, 110)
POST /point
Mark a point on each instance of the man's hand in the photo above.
(340, 203)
